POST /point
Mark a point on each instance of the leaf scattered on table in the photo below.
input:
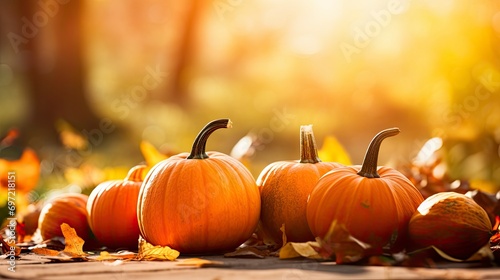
(107, 256)
(339, 243)
(45, 252)
(149, 252)
(197, 262)
(248, 252)
(74, 244)
(295, 249)
(6, 248)
(283, 235)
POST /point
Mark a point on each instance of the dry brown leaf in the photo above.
(6, 248)
(149, 252)
(340, 243)
(197, 262)
(247, 252)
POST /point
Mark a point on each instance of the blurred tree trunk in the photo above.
(186, 52)
(55, 68)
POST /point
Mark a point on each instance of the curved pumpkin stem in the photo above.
(369, 167)
(198, 150)
(135, 173)
(308, 150)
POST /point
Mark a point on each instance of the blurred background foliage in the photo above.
(86, 81)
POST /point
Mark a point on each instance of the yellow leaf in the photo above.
(106, 256)
(294, 250)
(74, 244)
(333, 151)
(197, 262)
(149, 252)
(150, 153)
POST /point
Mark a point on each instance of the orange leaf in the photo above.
(74, 244)
(45, 252)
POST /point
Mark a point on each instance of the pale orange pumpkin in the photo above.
(65, 208)
(112, 210)
(284, 189)
(199, 202)
(452, 222)
(374, 203)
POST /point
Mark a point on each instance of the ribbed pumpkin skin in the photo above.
(66, 208)
(372, 209)
(285, 187)
(452, 222)
(112, 208)
(198, 205)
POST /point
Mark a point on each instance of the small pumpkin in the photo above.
(199, 202)
(284, 188)
(67, 208)
(374, 203)
(112, 209)
(452, 222)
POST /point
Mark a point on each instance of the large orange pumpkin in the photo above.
(199, 202)
(284, 189)
(65, 208)
(374, 203)
(112, 209)
(452, 222)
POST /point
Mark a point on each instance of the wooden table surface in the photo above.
(35, 267)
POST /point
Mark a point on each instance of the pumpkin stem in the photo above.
(198, 150)
(135, 173)
(308, 150)
(369, 167)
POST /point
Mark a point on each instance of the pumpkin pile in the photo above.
(208, 202)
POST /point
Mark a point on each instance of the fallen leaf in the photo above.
(283, 235)
(197, 262)
(340, 243)
(106, 256)
(74, 244)
(333, 151)
(45, 252)
(247, 252)
(149, 252)
(295, 249)
(7, 249)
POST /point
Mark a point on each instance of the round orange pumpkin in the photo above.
(65, 208)
(112, 209)
(199, 202)
(284, 189)
(452, 222)
(374, 203)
